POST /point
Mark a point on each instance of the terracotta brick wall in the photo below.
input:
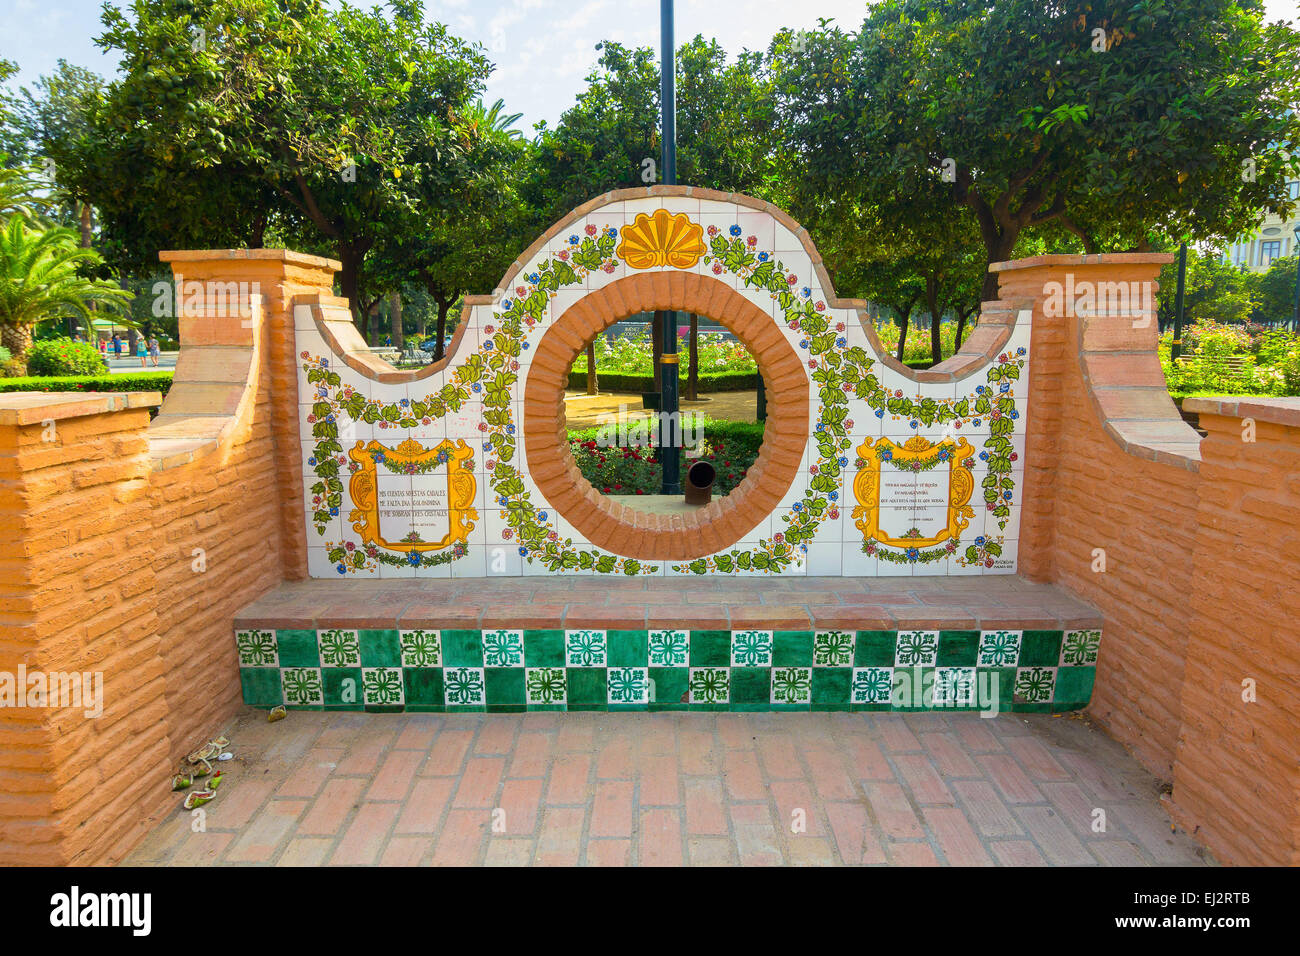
(104, 576)
(1237, 777)
(1200, 546)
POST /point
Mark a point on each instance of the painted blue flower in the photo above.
(798, 506)
(844, 462)
(887, 454)
(487, 445)
(340, 569)
(534, 277)
(329, 418)
(980, 540)
(1004, 387)
(914, 423)
(841, 342)
(324, 363)
(807, 292)
(976, 423)
(913, 554)
(803, 344)
(734, 230)
(979, 390)
(880, 413)
(505, 303)
(984, 456)
(943, 454)
(334, 512)
(404, 402)
(312, 461)
(523, 551)
(1006, 495)
(541, 516)
(762, 257)
(573, 240)
(833, 495)
(611, 232)
(414, 558)
(510, 429)
(1020, 351)
(478, 386)
(525, 346)
(1013, 413)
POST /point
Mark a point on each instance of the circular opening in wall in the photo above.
(616, 420)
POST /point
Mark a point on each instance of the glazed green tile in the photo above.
(380, 648)
(384, 708)
(710, 648)
(716, 708)
(342, 686)
(749, 686)
(504, 687)
(875, 649)
(792, 648)
(587, 688)
(913, 688)
(423, 687)
(556, 707)
(261, 686)
(1006, 684)
(871, 708)
(1074, 685)
(543, 648)
(341, 707)
(462, 648)
(507, 708)
(958, 648)
(1040, 648)
(627, 648)
(1022, 708)
(298, 648)
(830, 686)
(670, 684)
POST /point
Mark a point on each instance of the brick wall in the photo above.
(135, 544)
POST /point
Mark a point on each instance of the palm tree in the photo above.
(39, 276)
(19, 193)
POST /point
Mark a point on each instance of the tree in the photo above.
(1116, 121)
(41, 275)
(235, 116)
(1275, 290)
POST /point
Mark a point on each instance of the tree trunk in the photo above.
(760, 412)
(656, 347)
(693, 353)
(902, 331)
(440, 328)
(17, 339)
(962, 315)
(593, 386)
(932, 303)
(395, 314)
(375, 328)
(87, 240)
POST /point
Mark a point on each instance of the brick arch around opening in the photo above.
(604, 521)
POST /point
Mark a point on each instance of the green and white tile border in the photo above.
(512, 670)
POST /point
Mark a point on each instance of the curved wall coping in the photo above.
(214, 389)
(1274, 410)
(997, 319)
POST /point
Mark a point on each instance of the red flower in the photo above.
(591, 229)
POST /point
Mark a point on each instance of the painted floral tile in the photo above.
(871, 685)
(339, 648)
(421, 648)
(791, 685)
(463, 686)
(916, 648)
(383, 686)
(629, 685)
(751, 648)
(585, 648)
(1035, 685)
(998, 649)
(257, 648)
(302, 686)
(546, 685)
(669, 648)
(710, 685)
(503, 648)
(833, 648)
(1080, 648)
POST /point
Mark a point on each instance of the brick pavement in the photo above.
(608, 789)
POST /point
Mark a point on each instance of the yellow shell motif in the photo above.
(663, 239)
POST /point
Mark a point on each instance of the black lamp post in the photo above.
(1295, 313)
(669, 424)
(1176, 349)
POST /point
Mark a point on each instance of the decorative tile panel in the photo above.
(507, 670)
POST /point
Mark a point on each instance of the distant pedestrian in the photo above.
(142, 350)
(153, 350)
(117, 346)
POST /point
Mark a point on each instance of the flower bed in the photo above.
(1233, 360)
(731, 447)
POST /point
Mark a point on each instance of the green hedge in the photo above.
(125, 382)
(708, 381)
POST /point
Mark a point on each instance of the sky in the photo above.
(543, 48)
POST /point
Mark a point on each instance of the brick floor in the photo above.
(609, 789)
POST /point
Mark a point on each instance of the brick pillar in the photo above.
(1237, 769)
(77, 597)
(278, 276)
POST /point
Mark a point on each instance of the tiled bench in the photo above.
(748, 644)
